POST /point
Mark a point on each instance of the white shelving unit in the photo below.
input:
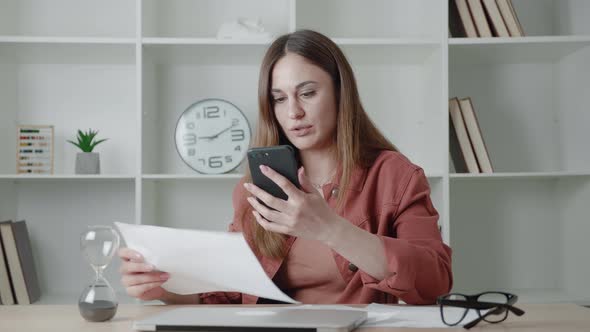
(130, 68)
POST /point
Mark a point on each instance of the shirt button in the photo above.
(352, 267)
(335, 192)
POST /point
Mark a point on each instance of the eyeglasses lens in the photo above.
(498, 314)
(453, 315)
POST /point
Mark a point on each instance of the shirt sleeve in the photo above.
(418, 262)
(238, 199)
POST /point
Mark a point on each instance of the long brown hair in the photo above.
(358, 140)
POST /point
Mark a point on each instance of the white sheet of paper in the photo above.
(381, 315)
(413, 316)
(202, 261)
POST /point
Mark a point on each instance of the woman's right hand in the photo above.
(140, 279)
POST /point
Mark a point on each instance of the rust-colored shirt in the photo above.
(309, 273)
(392, 200)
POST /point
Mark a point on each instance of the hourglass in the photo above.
(98, 301)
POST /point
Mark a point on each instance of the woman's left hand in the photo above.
(304, 214)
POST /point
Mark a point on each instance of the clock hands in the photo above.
(216, 135)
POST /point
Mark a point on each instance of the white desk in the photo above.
(66, 318)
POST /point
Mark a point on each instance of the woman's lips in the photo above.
(302, 131)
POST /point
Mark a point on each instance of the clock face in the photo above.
(212, 136)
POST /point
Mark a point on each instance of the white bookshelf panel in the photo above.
(108, 18)
(519, 234)
(437, 196)
(553, 17)
(573, 211)
(393, 82)
(7, 200)
(532, 115)
(71, 86)
(186, 18)
(463, 51)
(188, 204)
(57, 213)
(371, 19)
(8, 114)
(176, 76)
(514, 50)
(572, 75)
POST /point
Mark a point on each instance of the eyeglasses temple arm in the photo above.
(515, 310)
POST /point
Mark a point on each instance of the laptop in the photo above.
(263, 319)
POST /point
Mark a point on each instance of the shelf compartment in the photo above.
(176, 76)
(518, 50)
(521, 233)
(187, 204)
(553, 17)
(56, 215)
(70, 86)
(374, 18)
(202, 19)
(533, 115)
(80, 18)
(390, 78)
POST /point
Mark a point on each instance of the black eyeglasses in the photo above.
(491, 307)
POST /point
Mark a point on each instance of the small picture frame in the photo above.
(34, 149)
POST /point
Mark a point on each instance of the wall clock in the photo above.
(212, 136)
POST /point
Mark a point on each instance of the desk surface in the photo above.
(32, 318)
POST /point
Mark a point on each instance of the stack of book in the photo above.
(18, 276)
(483, 18)
(467, 147)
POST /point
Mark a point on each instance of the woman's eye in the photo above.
(308, 94)
(279, 99)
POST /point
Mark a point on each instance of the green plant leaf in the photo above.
(96, 143)
(86, 140)
(76, 144)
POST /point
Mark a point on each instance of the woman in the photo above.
(361, 228)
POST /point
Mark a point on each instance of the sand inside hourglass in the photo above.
(98, 311)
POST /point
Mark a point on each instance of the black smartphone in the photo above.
(280, 158)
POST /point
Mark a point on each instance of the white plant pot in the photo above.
(87, 163)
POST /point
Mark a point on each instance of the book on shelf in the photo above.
(479, 17)
(495, 18)
(6, 292)
(483, 18)
(461, 151)
(509, 14)
(460, 20)
(475, 135)
(21, 266)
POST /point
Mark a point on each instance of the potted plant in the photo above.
(87, 162)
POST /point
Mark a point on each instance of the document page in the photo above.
(382, 315)
(201, 261)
